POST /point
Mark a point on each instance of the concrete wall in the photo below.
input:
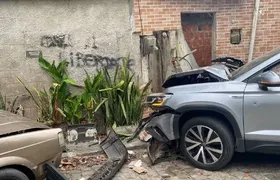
(88, 33)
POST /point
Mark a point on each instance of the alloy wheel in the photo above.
(203, 144)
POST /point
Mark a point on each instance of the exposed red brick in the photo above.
(165, 15)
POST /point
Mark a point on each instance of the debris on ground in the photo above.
(139, 170)
(130, 152)
(136, 166)
(144, 136)
(77, 162)
(165, 176)
(137, 163)
(145, 156)
(157, 150)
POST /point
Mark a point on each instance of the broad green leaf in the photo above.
(107, 89)
(146, 87)
(107, 110)
(122, 105)
(44, 63)
(129, 89)
(70, 81)
(120, 84)
(100, 104)
(114, 126)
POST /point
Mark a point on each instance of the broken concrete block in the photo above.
(139, 170)
(134, 164)
(130, 152)
(144, 136)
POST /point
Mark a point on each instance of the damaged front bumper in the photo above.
(164, 127)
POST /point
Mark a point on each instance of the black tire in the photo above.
(222, 140)
(12, 174)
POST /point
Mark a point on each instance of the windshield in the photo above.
(247, 67)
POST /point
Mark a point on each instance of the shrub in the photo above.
(125, 96)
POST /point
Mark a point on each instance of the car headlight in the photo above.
(157, 99)
(61, 139)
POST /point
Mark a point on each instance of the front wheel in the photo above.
(12, 174)
(207, 143)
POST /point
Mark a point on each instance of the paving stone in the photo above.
(271, 176)
(76, 176)
(179, 170)
(87, 174)
(258, 176)
(68, 176)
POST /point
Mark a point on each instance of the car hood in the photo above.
(219, 72)
(11, 123)
(216, 87)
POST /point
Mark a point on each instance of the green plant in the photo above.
(59, 91)
(43, 103)
(91, 97)
(73, 109)
(11, 106)
(58, 73)
(2, 102)
(51, 102)
(125, 96)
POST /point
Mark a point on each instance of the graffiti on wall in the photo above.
(91, 43)
(80, 60)
(60, 41)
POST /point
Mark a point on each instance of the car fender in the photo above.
(14, 160)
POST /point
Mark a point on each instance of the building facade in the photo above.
(209, 24)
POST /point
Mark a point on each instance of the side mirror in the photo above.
(269, 79)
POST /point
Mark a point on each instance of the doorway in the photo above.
(199, 31)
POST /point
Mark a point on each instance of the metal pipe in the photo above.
(254, 29)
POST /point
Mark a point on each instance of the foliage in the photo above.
(115, 99)
(91, 97)
(11, 107)
(51, 102)
(73, 109)
(2, 102)
(45, 108)
(43, 103)
(58, 73)
(58, 104)
(125, 96)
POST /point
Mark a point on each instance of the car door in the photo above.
(262, 115)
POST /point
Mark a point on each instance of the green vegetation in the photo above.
(114, 99)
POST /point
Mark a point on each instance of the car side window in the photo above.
(276, 69)
(255, 78)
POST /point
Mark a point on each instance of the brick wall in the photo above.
(199, 40)
(166, 15)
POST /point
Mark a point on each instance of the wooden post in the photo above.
(254, 29)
